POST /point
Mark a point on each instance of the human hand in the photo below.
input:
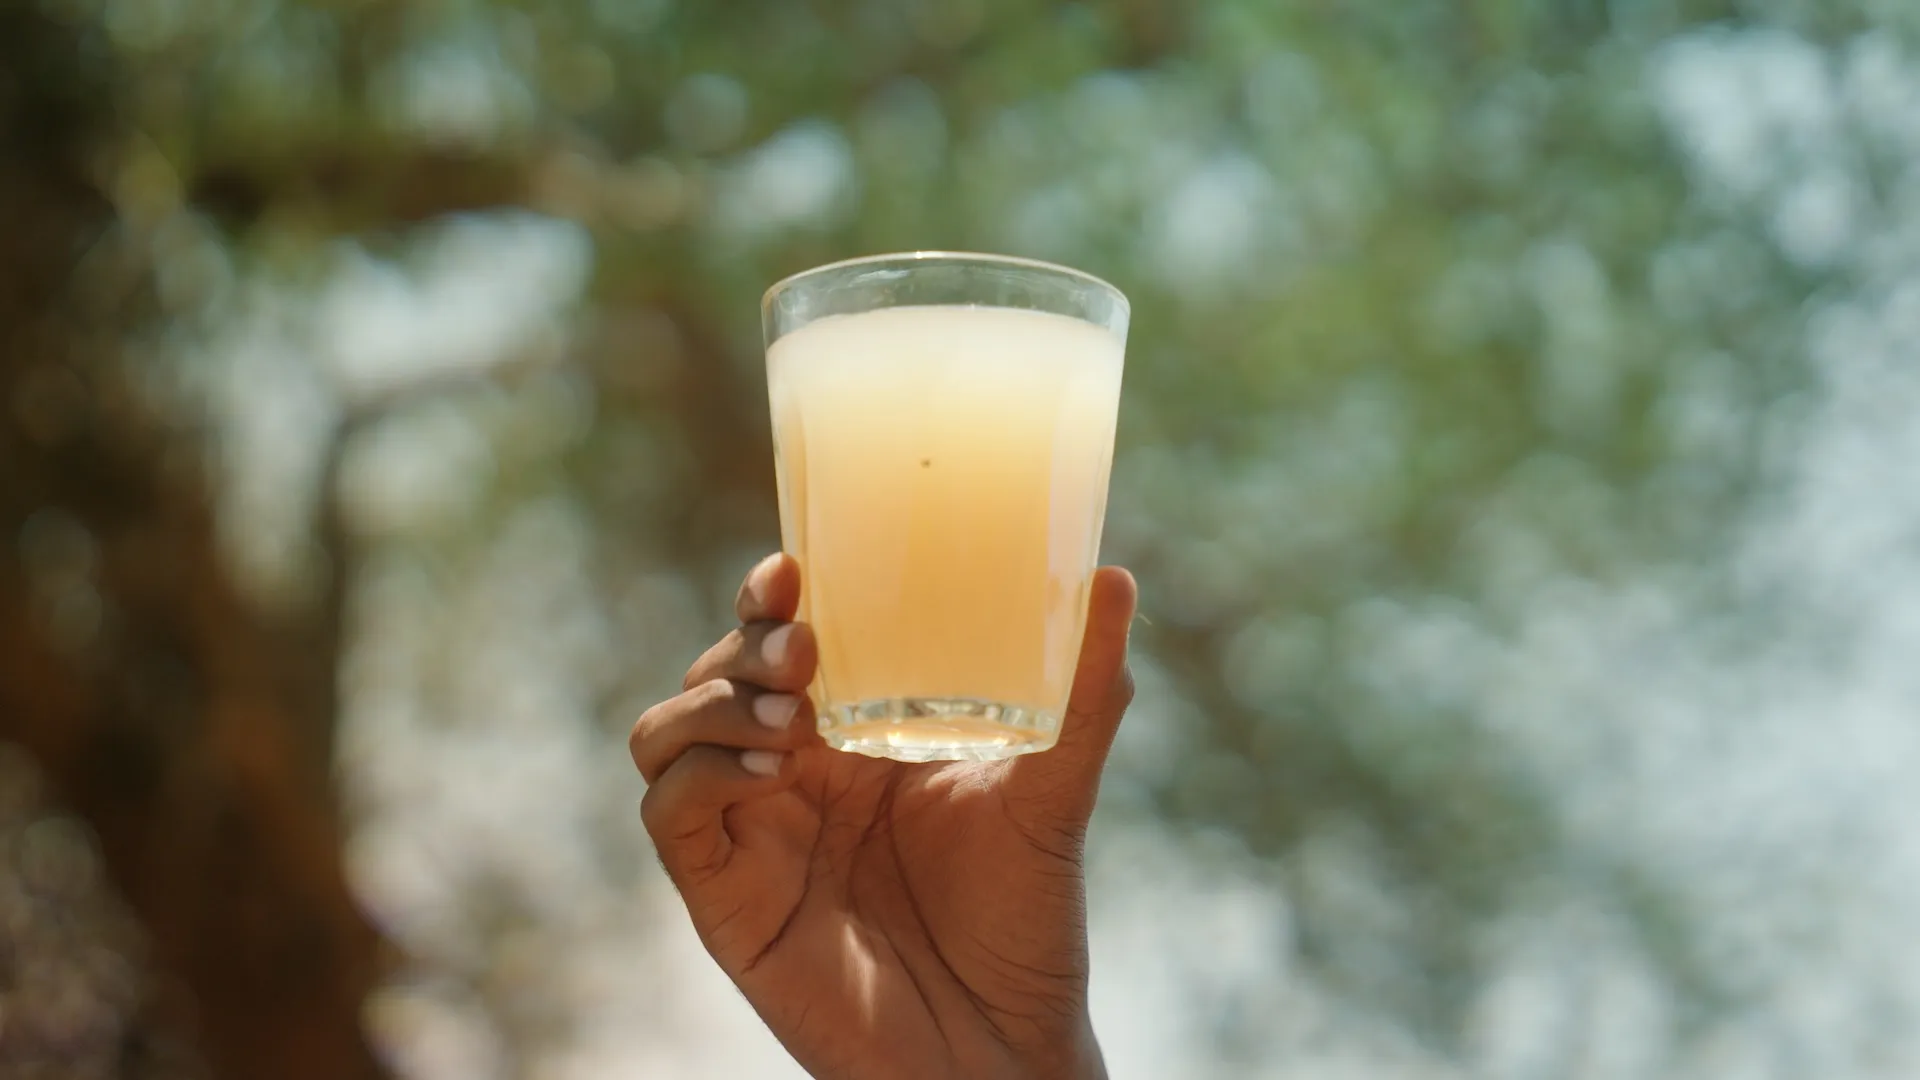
(886, 920)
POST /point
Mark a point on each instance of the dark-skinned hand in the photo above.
(886, 920)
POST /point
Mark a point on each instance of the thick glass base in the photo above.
(938, 729)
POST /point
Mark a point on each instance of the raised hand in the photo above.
(886, 920)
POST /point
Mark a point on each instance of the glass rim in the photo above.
(981, 258)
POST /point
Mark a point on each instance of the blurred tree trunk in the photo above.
(187, 727)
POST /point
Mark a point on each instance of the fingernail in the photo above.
(775, 710)
(762, 762)
(760, 581)
(773, 647)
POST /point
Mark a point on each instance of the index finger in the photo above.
(771, 590)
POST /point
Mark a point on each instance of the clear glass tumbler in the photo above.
(943, 430)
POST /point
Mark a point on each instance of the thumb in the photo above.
(1064, 780)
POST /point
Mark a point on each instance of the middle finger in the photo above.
(721, 713)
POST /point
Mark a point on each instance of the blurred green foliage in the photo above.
(1422, 293)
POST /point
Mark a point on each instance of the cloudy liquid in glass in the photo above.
(943, 478)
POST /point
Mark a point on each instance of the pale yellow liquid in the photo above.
(943, 477)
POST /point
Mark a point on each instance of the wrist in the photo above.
(1090, 1065)
(1081, 1061)
(1092, 1068)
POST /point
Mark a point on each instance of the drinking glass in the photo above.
(943, 430)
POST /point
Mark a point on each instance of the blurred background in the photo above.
(1518, 457)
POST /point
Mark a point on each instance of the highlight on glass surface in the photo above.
(943, 429)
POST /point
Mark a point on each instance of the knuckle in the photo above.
(1121, 696)
(645, 726)
(710, 695)
(696, 701)
(652, 811)
(723, 654)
